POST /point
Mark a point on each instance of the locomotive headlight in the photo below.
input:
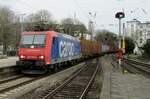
(22, 56)
(41, 57)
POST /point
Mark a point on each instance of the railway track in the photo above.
(19, 81)
(10, 78)
(134, 66)
(76, 86)
(139, 67)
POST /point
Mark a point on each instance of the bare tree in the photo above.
(38, 20)
(73, 27)
(41, 15)
(67, 21)
(107, 37)
(8, 22)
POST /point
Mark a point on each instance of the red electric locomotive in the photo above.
(40, 50)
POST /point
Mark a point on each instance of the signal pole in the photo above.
(123, 45)
(91, 24)
(91, 28)
(120, 15)
(22, 21)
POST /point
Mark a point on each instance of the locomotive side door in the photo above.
(55, 51)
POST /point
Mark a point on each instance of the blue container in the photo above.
(64, 48)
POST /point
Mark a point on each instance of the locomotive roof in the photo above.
(58, 34)
(67, 36)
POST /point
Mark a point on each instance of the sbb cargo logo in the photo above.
(66, 49)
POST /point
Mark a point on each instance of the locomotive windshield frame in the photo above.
(33, 41)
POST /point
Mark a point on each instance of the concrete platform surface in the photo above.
(9, 61)
(129, 86)
(123, 86)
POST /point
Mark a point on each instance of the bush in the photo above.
(11, 53)
(129, 45)
(146, 48)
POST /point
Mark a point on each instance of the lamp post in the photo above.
(120, 15)
(21, 16)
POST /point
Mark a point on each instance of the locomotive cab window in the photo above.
(27, 39)
(37, 40)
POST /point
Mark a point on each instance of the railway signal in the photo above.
(119, 15)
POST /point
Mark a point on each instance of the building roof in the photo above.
(134, 20)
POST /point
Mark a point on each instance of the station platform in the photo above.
(123, 86)
(9, 61)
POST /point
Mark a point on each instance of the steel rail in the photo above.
(11, 78)
(53, 92)
(136, 66)
(12, 87)
(142, 67)
(16, 86)
(137, 62)
(62, 85)
(90, 82)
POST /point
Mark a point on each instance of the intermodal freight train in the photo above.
(40, 52)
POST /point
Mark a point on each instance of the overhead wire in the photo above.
(25, 3)
(80, 9)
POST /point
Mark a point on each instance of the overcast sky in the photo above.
(105, 10)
